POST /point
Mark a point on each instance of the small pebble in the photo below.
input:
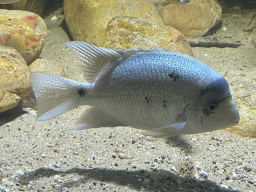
(223, 187)
(121, 156)
(20, 172)
(203, 174)
(173, 169)
(168, 161)
(194, 139)
(56, 178)
(54, 18)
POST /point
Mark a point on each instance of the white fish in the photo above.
(8, 1)
(158, 90)
(164, 3)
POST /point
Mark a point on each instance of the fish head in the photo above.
(218, 110)
(220, 115)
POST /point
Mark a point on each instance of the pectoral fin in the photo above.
(167, 131)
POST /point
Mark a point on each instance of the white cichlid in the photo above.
(164, 3)
(158, 90)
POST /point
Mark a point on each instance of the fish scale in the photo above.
(158, 90)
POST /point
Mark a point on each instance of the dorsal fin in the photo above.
(94, 58)
(100, 62)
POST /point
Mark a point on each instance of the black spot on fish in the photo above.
(174, 76)
(81, 92)
(146, 98)
(164, 105)
(202, 92)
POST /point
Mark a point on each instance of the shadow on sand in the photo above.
(158, 180)
(11, 114)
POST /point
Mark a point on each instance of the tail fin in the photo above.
(55, 95)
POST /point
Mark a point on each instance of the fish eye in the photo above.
(210, 108)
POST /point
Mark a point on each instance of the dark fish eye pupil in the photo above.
(212, 107)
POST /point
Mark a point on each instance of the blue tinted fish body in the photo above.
(161, 91)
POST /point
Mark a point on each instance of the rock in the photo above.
(203, 174)
(244, 94)
(47, 66)
(24, 31)
(192, 19)
(130, 32)
(35, 6)
(214, 41)
(14, 78)
(87, 20)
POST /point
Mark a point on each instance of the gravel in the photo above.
(50, 156)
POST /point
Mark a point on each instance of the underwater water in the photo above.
(50, 156)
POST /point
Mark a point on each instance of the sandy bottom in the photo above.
(49, 156)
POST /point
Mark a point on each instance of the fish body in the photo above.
(164, 3)
(161, 91)
(8, 1)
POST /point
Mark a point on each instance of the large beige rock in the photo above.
(131, 32)
(87, 20)
(14, 78)
(47, 66)
(24, 31)
(192, 19)
(244, 94)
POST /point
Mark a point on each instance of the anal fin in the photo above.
(96, 118)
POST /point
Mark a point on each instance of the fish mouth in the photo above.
(234, 112)
(237, 121)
